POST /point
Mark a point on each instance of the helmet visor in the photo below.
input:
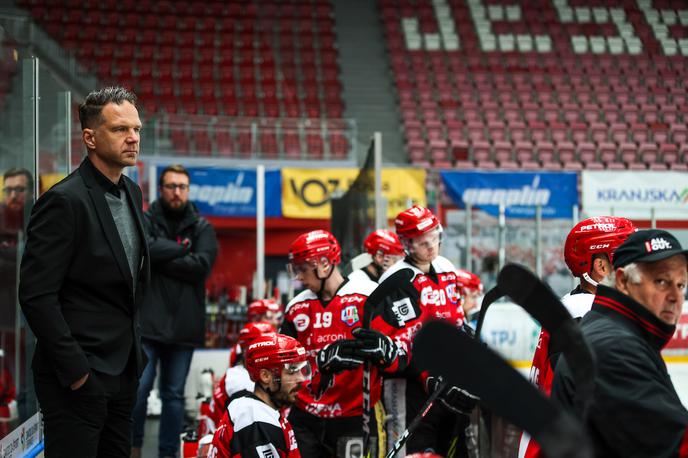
(299, 269)
(430, 239)
(302, 368)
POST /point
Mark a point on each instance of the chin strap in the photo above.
(271, 394)
(378, 269)
(589, 279)
(323, 280)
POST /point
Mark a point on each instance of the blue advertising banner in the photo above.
(521, 192)
(232, 192)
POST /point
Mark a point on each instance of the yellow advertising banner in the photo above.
(306, 192)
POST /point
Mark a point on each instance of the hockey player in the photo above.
(265, 310)
(385, 248)
(421, 287)
(471, 289)
(327, 415)
(253, 424)
(235, 379)
(588, 254)
(260, 310)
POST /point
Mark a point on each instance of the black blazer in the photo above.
(76, 288)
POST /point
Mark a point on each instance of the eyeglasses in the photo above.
(173, 186)
(17, 189)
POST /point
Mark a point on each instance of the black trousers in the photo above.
(93, 421)
(340, 437)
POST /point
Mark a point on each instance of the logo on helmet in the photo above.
(425, 223)
(605, 227)
(313, 236)
(599, 247)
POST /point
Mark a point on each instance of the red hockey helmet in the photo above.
(469, 282)
(261, 307)
(251, 331)
(599, 234)
(385, 241)
(414, 222)
(313, 246)
(275, 352)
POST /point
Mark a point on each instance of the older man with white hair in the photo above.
(634, 410)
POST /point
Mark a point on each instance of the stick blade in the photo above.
(538, 299)
(490, 297)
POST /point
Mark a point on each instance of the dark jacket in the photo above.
(174, 308)
(634, 410)
(76, 288)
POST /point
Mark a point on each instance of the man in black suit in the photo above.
(82, 276)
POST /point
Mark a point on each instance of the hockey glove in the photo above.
(341, 355)
(454, 398)
(377, 347)
(465, 327)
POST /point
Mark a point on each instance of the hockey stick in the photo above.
(414, 423)
(471, 365)
(491, 296)
(538, 299)
(367, 409)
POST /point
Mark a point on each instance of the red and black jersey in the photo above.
(578, 303)
(251, 428)
(235, 379)
(407, 298)
(316, 324)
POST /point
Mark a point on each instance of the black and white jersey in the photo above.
(251, 428)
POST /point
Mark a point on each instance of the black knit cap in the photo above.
(647, 246)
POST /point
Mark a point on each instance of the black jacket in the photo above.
(76, 288)
(174, 308)
(635, 410)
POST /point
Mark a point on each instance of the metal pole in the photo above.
(538, 240)
(469, 236)
(380, 217)
(152, 183)
(36, 136)
(68, 129)
(653, 218)
(502, 236)
(575, 219)
(260, 232)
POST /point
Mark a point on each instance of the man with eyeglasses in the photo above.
(17, 193)
(423, 286)
(183, 248)
(17, 189)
